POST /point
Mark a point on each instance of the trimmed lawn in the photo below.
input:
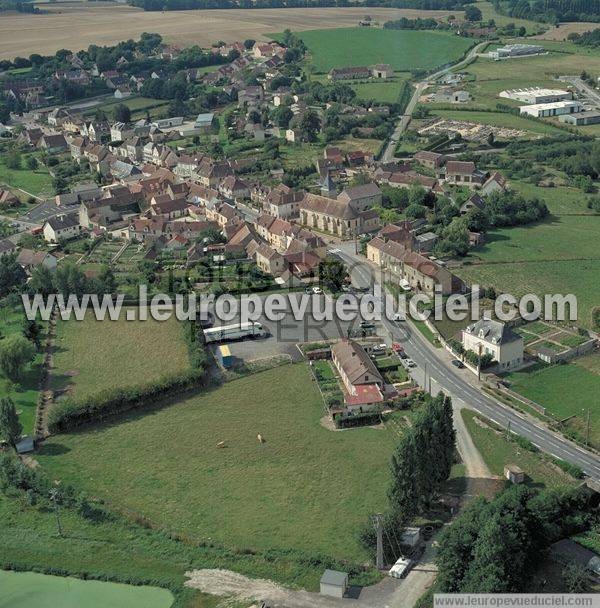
(404, 50)
(91, 356)
(497, 452)
(565, 390)
(305, 488)
(26, 589)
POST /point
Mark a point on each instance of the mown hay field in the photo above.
(77, 25)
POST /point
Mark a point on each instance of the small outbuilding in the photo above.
(334, 583)
(514, 474)
(411, 537)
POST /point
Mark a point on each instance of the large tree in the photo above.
(15, 353)
(10, 427)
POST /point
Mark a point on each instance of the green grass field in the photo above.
(404, 50)
(24, 395)
(385, 91)
(36, 182)
(91, 355)
(565, 390)
(28, 589)
(305, 488)
(497, 452)
(556, 256)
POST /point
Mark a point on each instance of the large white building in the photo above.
(537, 95)
(542, 110)
(516, 50)
(495, 339)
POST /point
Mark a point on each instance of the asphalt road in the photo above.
(388, 154)
(443, 376)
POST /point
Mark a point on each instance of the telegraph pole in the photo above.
(54, 499)
(379, 531)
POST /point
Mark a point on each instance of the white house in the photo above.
(61, 228)
(496, 339)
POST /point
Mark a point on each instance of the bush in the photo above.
(569, 468)
(72, 413)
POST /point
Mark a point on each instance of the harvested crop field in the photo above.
(77, 25)
(564, 29)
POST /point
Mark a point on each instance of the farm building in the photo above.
(334, 583)
(536, 95)
(516, 50)
(541, 110)
(580, 119)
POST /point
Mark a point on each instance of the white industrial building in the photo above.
(542, 110)
(537, 95)
(516, 50)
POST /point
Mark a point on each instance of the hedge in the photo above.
(71, 413)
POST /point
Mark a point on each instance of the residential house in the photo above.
(490, 337)
(29, 260)
(495, 183)
(363, 384)
(53, 143)
(61, 227)
(431, 160)
(234, 188)
(462, 172)
(269, 261)
(473, 202)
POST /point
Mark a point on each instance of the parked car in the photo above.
(317, 290)
(367, 325)
(457, 363)
(398, 317)
(401, 568)
(397, 347)
(410, 363)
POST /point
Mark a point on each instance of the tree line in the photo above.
(420, 465)
(181, 5)
(495, 546)
(550, 11)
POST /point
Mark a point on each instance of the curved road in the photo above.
(388, 154)
(445, 377)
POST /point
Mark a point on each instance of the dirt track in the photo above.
(75, 26)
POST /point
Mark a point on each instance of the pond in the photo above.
(32, 590)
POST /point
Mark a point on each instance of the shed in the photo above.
(411, 537)
(334, 583)
(514, 473)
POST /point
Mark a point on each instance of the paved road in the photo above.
(433, 367)
(388, 154)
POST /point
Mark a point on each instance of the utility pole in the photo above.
(379, 531)
(587, 432)
(425, 379)
(53, 498)
(508, 431)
